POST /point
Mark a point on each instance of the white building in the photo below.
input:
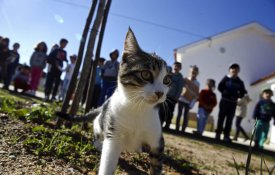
(252, 46)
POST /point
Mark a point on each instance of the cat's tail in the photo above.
(90, 116)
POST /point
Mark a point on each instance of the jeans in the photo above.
(240, 128)
(166, 111)
(107, 89)
(262, 128)
(53, 79)
(202, 117)
(186, 107)
(226, 113)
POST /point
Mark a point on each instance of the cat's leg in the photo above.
(156, 155)
(98, 135)
(109, 156)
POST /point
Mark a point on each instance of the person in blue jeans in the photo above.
(207, 101)
(109, 77)
(263, 112)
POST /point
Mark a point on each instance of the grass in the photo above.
(75, 145)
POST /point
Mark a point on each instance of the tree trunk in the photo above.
(88, 58)
(97, 56)
(73, 81)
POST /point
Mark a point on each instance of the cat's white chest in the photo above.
(137, 127)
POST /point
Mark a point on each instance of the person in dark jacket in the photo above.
(263, 113)
(55, 59)
(167, 108)
(231, 88)
(12, 63)
(5, 53)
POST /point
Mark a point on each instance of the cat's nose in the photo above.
(159, 94)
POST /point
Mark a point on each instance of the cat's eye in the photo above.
(146, 75)
(167, 80)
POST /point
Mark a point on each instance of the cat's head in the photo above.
(143, 76)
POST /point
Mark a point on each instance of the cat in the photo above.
(129, 120)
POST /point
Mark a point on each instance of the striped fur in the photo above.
(129, 120)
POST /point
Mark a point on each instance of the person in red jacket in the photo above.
(207, 101)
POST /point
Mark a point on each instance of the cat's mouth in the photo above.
(153, 100)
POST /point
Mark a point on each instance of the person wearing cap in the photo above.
(68, 76)
(231, 88)
(38, 63)
(207, 101)
(109, 77)
(263, 112)
(55, 59)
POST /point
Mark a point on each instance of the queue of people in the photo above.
(184, 91)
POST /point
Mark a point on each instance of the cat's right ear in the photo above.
(131, 46)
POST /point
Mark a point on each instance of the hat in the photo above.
(114, 51)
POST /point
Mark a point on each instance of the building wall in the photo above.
(253, 50)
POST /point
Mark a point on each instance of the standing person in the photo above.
(68, 76)
(38, 63)
(231, 88)
(263, 112)
(98, 81)
(5, 53)
(188, 97)
(240, 114)
(109, 77)
(55, 59)
(167, 108)
(207, 101)
(12, 63)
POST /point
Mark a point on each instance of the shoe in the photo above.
(227, 139)
(197, 133)
(245, 139)
(235, 139)
(218, 137)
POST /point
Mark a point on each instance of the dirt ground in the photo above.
(182, 156)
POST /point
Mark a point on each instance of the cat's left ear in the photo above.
(131, 46)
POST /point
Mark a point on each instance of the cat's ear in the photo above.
(131, 46)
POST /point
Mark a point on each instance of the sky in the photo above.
(159, 25)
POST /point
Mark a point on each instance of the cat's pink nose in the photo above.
(159, 94)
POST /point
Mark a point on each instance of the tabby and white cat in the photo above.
(129, 120)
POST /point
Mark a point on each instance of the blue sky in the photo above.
(159, 25)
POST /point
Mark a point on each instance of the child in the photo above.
(231, 88)
(264, 111)
(22, 78)
(207, 101)
(240, 115)
(167, 109)
(38, 63)
(69, 72)
(188, 97)
(98, 81)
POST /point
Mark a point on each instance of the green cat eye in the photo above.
(167, 80)
(146, 75)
